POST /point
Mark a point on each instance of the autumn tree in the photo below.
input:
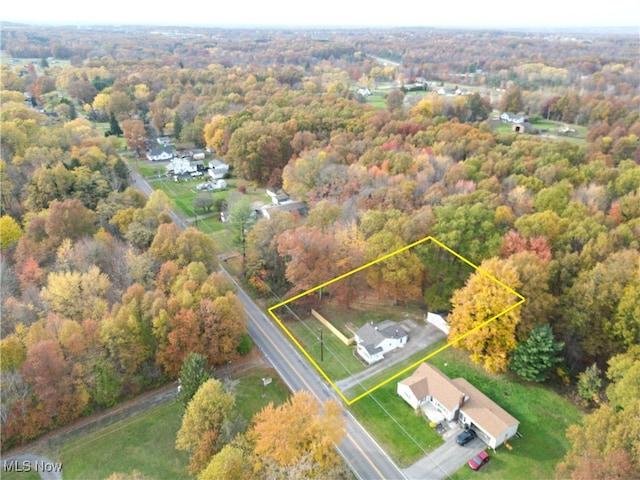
(192, 375)
(195, 246)
(534, 358)
(511, 101)
(10, 232)
(606, 444)
(135, 135)
(300, 431)
(263, 260)
(230, 463)
(489, 339)
(202, 432)
(398, 277)
(311, 256)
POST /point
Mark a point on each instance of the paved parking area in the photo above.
(444, 460)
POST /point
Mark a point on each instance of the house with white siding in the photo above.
(458, 400)
(374, 340)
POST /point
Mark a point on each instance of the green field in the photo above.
(544, 417)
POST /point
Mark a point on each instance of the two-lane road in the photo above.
(361, 452)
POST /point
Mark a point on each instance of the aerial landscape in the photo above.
(357, 244)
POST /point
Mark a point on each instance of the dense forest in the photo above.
(104, 297)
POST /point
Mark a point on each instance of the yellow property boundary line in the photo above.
(356, 270)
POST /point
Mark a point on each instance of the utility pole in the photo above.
(321, 347)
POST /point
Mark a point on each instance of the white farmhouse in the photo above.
(373, 341)
(160, 154)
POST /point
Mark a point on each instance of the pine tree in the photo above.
(192, 375)
(537, 355)
(114, 126)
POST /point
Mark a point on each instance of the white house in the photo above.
(217, 169)
(373, 341)
(160, 154)
(458, 400)
(180, 166)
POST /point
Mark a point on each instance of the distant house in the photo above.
(164, 141)
(458, 400)
(365, 92)
(197, 154)
(160, 154)
(293, 206)
(507, 117)
(373, 341)
(217, 169)
(184, 165)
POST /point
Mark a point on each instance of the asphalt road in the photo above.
(360, 451)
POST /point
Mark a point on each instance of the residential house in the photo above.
(293, 206)
(507, 117)
(184, 165)
(197, 154)
(160, 154)
(217, 169)
(164, 141)
(373, 341)
(458, 400)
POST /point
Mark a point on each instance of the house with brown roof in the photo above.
(458, 400)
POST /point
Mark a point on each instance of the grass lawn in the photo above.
(544, 417)
(338, 361)
(249, 391)
(145, 442)
(403, 434)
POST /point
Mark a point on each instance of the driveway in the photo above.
(444, 460)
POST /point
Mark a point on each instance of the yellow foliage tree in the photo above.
(476, 303)
(299, 431)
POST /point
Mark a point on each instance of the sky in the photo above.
(429, 13)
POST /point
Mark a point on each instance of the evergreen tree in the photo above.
(192, 375)
(177, 125)
(114, 126)
(537, 355)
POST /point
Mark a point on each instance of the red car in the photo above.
(476, 462)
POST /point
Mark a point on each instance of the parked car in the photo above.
(465, 437)
(479, 460)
